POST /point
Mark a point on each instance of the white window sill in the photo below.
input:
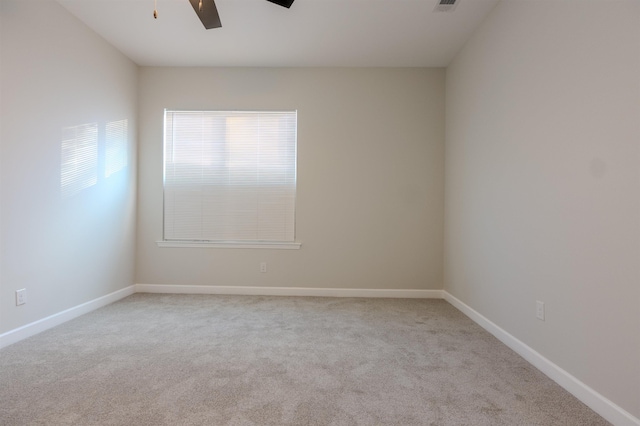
(230, 244)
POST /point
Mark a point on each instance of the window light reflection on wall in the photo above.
(79, 158)
(116, 147)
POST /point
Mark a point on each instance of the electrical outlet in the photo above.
(540, 310)
(21, 297)
(263, 267)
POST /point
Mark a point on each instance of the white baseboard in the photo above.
(43, 324)
(598, 403)
(289, 291)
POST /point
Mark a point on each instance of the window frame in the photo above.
(251, 244)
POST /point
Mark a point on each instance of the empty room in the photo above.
(320, 212)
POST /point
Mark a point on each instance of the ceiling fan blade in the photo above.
(208, 13)
(283, 3)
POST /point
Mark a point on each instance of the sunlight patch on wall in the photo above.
(79, 158)
(116, 147)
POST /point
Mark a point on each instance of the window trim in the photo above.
(230, 244)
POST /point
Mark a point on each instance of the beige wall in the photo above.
(370, 167)
(543, 184)
(56, 73)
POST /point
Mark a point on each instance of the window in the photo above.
(230, 177)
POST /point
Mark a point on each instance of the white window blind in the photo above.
(229, 176)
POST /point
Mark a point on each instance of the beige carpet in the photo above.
(251, 360)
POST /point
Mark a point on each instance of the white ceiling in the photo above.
(337, 33)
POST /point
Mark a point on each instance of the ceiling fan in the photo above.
(208, 14)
